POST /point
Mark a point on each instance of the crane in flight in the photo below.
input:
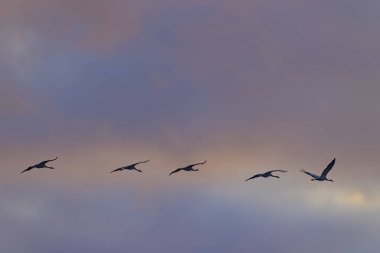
(188, 168)
(40, 165)
(322, 177)
(130, 167)
(266, 174)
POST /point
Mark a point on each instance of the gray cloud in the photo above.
(247, 85)
(186, 220)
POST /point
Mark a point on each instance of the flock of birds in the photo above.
(322, 177)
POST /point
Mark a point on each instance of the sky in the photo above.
(249, 86)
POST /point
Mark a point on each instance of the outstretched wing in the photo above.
(255, 176)
(310, 174)
(175, 171)
(195, 164)
(328, 168)
(31, 167)
(277, 171)
(140, 162)
(49, 160)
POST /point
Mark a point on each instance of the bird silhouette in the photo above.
(130, 167)
(188, 168)
(322, 177)
(40, 165)
(266, 174)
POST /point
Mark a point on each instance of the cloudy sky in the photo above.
(248, 85)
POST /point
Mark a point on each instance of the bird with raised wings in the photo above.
(266, 174)
(322, 177)
(188, 168)
(130, 167)
(40, 165)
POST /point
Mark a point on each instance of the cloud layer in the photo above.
(247, 85)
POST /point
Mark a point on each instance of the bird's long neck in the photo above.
(140, 162)
(47, 161)
(197, 164)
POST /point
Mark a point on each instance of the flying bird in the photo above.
(322, 177)
(266, 174)
(188, 168)
(40, 165)
(130, 167)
